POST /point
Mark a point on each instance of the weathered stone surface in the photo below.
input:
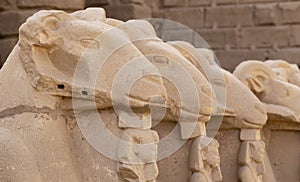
(6, 46)
(90, 3)
(268, 86)
(127, 11)
(251, 160)
(220, 38)
(7, 4)
(205, 160)
(199, 3)
(180, 14)
(67, 4)
(266, 14)
(250, 134)
(192, 129)
(138, 146)
(174, 3)
(226, 1)
(128, 121)
(295, 35)
(13, 21)
(290, 12)
(229, 16)
(260, 37)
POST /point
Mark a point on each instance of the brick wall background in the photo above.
(242, 29)
(236, 30)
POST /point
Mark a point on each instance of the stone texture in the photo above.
(90, 3)
(218, 2)
(295, 35)
(131, 149)
(290, 54)
(289, 168)
(251, 159)
(127, 11)
(220, 38)
(192, 130)
(200, 3)
(268, 87)
(229, 16)
(264, 37)
(250, 134)
(7, 4)
(258, 1)
(6, 46)
(67, 4)
(13, 21)
(266, 14)
(231, 58)
(128, 121)
(290, 12)
(180, 14)
(174, 3)
(183, 35)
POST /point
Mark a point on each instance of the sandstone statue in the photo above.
(89, 98)
(276, 84)
(68, 66)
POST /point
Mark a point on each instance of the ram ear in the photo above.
(255, 75)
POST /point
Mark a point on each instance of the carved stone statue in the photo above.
(241, 109)
(205, 160)
(286, 71)
(269, 87)
(69, 66)
(251, 160)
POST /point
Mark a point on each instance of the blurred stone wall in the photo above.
(14, 12)
(242, 29)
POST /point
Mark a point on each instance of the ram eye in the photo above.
(89, 43)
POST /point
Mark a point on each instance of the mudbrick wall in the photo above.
(236, 30)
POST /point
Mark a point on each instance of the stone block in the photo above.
(178, 35)
(195, 20)
(229, 16)
(265, 14)
(250, 134)
(231, 58)
(200, 3)
(129, 121)
(168, 3)
(95, 3)
(290, 54)
(290, 12)
(295, 35)
(59, 4)
(192, 129)
(6, 46)
(225, 1)
(257, 1)
(138, 146)
(13, 20)
(219, 38)
(7, 4)
(127, 11)
(260, 37)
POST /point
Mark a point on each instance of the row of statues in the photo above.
(153, 98)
